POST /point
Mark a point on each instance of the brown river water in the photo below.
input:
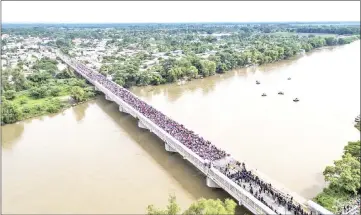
(93, 159)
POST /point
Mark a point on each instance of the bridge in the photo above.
(248, 186)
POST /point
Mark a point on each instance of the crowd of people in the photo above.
(261, 190)
(203, 148)
(352, 207)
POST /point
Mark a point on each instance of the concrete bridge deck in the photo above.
(214, 171)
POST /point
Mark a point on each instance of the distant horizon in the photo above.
(100, 12)
(195, 22)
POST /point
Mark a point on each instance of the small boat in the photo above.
(296, 100)
(288, 78)
(264, 94)
(280, 93)
(257, 82)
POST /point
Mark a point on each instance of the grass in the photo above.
(32, 107)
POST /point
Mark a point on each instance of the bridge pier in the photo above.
(121, 109)
(141, 125)
(168, 148)
(108, 98)
(96, 89)
(210, 183)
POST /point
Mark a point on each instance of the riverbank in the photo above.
(41, 100)
(342, 194)
(25, 105)
(46, 91)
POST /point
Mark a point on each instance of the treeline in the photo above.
(341, 30)
(95, 32)
(44, 91)
(266, 49)
(343, 178)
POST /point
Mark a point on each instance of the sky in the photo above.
(177, 11)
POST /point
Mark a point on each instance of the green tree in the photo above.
(10, 112)
(331, 41)
(10, 94)
(19, 79)
(211, 207)
(345, 174)
(172, 208)
(53, 106)
(55, 91)
(78, 94)
(191, 71)
(208, 68)
(65, 73)
(354, 149)
(39, 92)
(202, 207)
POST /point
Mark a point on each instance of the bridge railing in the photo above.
(244, 197)
(318, 209)
(354, 210)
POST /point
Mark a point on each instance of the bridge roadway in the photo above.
(214, 171)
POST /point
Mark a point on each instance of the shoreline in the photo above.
(67, 106)
(299, 55)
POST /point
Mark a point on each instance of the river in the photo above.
(93, 159)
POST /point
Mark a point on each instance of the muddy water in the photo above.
(93, 159)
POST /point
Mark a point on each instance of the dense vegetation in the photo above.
(150, 55)
(201, 206)
(45, 91)
(260, 49)
(343, 178)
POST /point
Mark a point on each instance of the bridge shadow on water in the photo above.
(191, 179)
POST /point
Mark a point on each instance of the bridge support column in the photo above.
(96, 89)
(121, 109)
(211, 183)
(108, 98)
(141, 124)
(168, 148)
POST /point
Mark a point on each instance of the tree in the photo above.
(345, 174)
(354, 149)
(331, 41)
(78, 94)
(191, 71)
(39, 92)
(202, 207)
(207, 67)
(211, 207)
(55, 91)
(39, 77)
(19, 79)
(65, 73)
(10, 112)
(10, 94)
(172, 208)
(54, 105)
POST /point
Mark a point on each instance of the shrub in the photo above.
(38, 92)
(23, 101)
(10, 94)
(55, 91)
(26, 109)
